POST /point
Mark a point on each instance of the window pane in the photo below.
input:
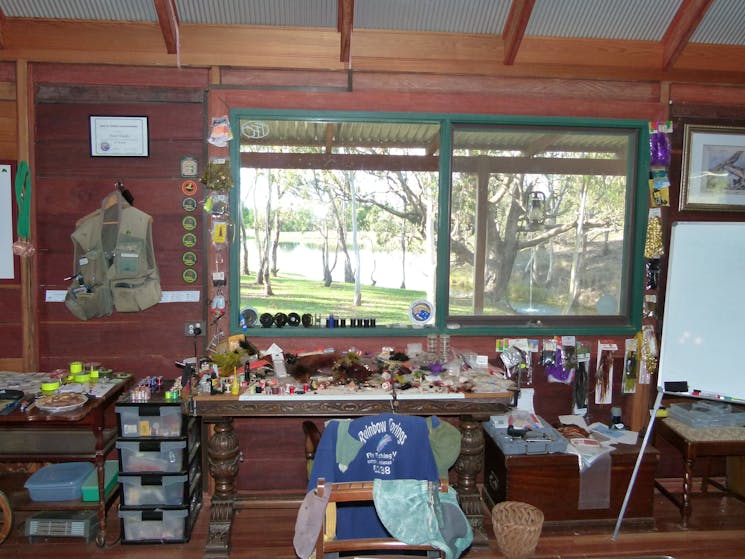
(539, 223)
(338, 217)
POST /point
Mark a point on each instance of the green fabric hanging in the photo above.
(23, 199)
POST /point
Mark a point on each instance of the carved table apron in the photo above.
(224, 453)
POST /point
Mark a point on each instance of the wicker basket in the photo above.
(517, 527)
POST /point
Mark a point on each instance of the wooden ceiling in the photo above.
(663, 40)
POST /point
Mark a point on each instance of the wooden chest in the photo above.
(551, 482)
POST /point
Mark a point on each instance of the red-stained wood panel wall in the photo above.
(70, 184)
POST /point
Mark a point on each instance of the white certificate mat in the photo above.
(119, 136)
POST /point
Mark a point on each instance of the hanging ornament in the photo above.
(653, 246)
(659, 150)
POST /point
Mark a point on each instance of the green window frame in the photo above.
(625, 321)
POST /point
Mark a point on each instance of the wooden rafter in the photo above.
(330, 127)
(514, 28)
(344, 24)
(169, 22)
(686, 19)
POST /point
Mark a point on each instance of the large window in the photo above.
(541, 225)
(337, 215)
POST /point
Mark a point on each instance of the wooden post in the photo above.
(29, 277)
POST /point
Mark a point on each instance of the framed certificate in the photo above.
(119, 136)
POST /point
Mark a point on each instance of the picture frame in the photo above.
(713, 171)
(119, 136)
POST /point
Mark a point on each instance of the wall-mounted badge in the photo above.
(189, 204)
(189, 187)
(189, 222)
(189, 167)
(189, 258)
(189, 240)
(189, 275)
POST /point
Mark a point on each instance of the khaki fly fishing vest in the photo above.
(114, 261)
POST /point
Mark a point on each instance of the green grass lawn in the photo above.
(293, 294)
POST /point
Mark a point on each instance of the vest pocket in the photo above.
(133, 296)
(129, 260)
(91, 267)
(86, 304)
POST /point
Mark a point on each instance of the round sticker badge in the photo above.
(189, 222)
(189, 240)
(189, 204)
(189, 187)
(421, 312)
(189, 258)
(189, 275)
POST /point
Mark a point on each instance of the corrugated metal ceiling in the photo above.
(424, 137)
(644, 20)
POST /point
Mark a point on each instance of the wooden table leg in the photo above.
(467, 466)
(102, 498)
(685, 507)
(223, 456)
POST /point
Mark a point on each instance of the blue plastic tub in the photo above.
(58, 482)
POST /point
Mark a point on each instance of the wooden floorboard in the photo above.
(716, 531)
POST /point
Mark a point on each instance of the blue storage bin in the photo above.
(58, 482)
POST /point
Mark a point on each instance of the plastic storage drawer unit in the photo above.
(154, 489)
(150, 420)
(154, 525)
(152, 456)
(58, 482)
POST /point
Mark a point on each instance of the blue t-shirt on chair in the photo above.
(385, 446)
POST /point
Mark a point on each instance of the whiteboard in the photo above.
(703, 325)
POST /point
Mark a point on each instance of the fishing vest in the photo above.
(114, 262)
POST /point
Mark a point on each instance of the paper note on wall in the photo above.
(6, 224)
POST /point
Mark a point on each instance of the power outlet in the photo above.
(195, 328)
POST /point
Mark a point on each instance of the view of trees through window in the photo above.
(538, 222)
(340, 217)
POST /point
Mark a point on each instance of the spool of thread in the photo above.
(48, 388)
(432, 343)
(444, 348)
(76, 367)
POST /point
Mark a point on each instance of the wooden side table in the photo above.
(694, 443)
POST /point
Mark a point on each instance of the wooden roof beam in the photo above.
(330, 127)
(169, 23)
(514, 28)
(344, 24)
(686, 19)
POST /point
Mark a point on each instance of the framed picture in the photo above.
(713, 176)
(119, 136)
